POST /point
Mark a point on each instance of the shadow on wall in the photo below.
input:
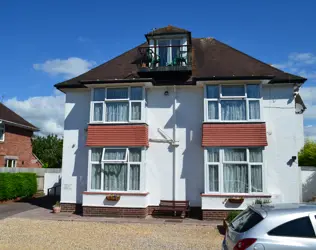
(309, 188)
(76, 121)
(189, 116)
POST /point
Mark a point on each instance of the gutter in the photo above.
(21, 125)
(86, 82)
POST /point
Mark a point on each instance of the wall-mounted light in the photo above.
(166, 93)
(294, 158)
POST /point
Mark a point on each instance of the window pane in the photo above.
(117, 111)
(254, 110)
(246, 220)
(136, 93)
(235, 178)
(212, 91)
(136, 111)
(212, 110)
(135, 154)
(98, 94)
(213, 155)
(1, 132)
(96, 176)
(134, 177)
(256, 178)
(253, 91)
(213, 178)
(96, 154)
(235, 154)
(233, 110)
(175, 51)
(115, 177)
(233, 90)
(117, 93)
(163, 52)
(255, 154)
(98, 112)
(114, 154)
(301, 227)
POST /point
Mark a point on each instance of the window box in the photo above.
(113, 197)
(236, 200)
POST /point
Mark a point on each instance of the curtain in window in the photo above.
(1, 132)
(175, 50)
(115, 177)
(136, 108)
(136, 93)
(233, 90)
(114, 154)
(163, 52)
(134, 177)
(212, 91)
(117, 111)
(213, 155)
(256, 178)
(117, 93)
(233, 110)
(235, 178)
(253, 91)
(98, 111)
(235, 154)
(96, 176)
(254, 110)
(135, 155)
(212, 110)
(98, 94)
(255, 154)
(213, 178)
(96, 154)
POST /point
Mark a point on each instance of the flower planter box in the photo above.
(113, 197)
(236, 200)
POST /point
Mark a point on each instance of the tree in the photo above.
(49, 150)
(307, 155)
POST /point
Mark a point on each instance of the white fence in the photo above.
(308, 181)
(46, 177)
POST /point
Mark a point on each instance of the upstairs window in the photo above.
(232, 102)
(1, 132)
(118, 105)
(170, 52)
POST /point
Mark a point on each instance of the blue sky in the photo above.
(45, 42)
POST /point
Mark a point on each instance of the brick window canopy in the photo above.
(231, 135)
(117, 135)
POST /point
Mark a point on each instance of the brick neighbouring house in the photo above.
(16, 140)
(180, 118)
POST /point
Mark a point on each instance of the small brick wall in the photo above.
(115, 212)
(71, 207)
(214, 214)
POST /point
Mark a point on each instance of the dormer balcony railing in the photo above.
(165, 58)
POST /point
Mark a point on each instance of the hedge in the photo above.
(13, 185)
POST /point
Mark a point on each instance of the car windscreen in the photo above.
(245, 221)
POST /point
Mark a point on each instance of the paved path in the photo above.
(12, 208)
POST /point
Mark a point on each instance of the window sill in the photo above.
(229, 122)
(117, 193)
(236, 195)
(117, 123)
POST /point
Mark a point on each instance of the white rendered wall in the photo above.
(52, 180)
(75, 153)
(308, 179)
(99, 200)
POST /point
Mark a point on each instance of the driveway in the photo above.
(12, 208)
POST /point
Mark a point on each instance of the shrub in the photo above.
(13, 185)
(232, 215)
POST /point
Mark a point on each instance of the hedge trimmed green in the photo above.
(13, 185)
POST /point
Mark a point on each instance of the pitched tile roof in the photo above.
(7, 115)
(167, 30)
(213, 59)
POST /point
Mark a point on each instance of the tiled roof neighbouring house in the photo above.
(117, 135)
(213, 59)
(8, 115)
(234, 135)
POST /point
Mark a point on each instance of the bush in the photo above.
(232, 215)
(13, 185)
(307, 155)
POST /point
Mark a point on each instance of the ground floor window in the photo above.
(116, 169)
(10, 163)
(234, 170)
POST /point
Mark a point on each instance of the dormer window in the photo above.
(172, 52)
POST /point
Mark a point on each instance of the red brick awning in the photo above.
(231, 135)
(117, 135)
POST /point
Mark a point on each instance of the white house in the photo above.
(181, 119)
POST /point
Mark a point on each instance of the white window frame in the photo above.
(128, 100)
(13, 162)
(221, 171)
(2, 128)
(114, 161)
(224, 98)
(127, 162)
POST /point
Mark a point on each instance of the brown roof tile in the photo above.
(234, 135)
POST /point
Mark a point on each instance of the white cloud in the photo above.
(73, 66)
(310, 132)
(306, 58)
(45, 112)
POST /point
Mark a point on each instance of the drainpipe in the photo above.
(175, 144)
